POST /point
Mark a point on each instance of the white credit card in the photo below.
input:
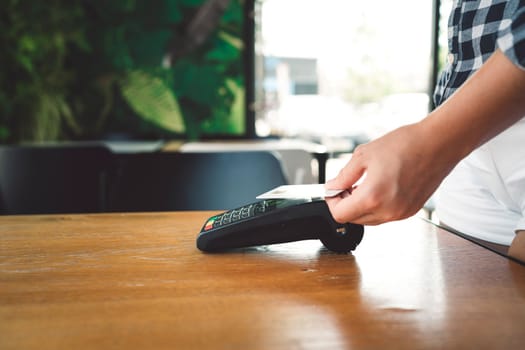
(299, 191)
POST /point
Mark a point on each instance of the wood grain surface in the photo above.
(137, 281)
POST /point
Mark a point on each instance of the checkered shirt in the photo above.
(476, 28)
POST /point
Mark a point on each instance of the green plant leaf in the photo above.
(48, 118)
(226, 48)
(231, 39)
(199, 83)
(152, 99)
(232, 120)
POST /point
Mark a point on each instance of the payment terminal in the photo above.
(274, 221)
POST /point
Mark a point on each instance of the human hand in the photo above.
(404, 167)
(399, 172)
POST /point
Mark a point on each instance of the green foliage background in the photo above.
(86, 69)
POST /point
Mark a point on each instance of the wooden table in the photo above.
(137, 281)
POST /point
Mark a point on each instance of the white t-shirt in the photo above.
(484, 196)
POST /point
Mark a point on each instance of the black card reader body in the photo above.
(274, 221)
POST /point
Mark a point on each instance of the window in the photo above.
(339, 71)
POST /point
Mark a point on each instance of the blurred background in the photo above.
(335, 72)
(344, 72)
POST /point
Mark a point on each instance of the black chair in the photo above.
(53, 179)
(193, 181)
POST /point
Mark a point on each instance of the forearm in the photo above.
(517, 248)
(489, 102)
(404, 167)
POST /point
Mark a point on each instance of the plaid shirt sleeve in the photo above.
(511, 38)
(476, 29)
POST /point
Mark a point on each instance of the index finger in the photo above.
(348, 176)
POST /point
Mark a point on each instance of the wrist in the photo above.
(443, 140)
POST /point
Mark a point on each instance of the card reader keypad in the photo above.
(238, 214)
